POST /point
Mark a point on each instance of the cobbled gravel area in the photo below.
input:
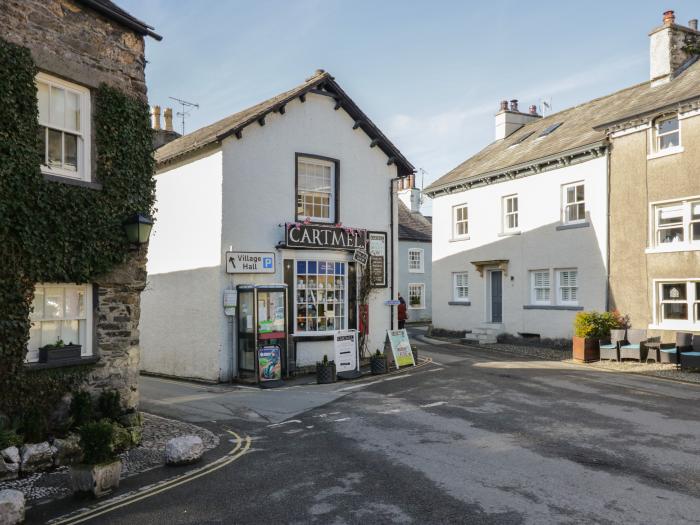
(157, 430)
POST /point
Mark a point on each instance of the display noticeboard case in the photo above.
(377, 263)
(397, 348)
(269, 363)
(347, 362)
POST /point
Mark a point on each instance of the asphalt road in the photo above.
(479, 437)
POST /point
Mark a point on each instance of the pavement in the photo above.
(475, 437)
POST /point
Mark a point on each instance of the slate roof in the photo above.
(413, 226)
(112, 11)
(581, 126)
(320, 83)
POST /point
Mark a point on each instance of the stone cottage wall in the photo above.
(72, 41)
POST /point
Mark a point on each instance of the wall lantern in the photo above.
(138, 228)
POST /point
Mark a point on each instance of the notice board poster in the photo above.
(377, 259)
(269, 363)
(401, 353)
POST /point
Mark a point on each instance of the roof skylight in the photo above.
(549, 129)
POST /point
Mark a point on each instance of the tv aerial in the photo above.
(183, 113)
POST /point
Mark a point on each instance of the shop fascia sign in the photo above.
(322, 236)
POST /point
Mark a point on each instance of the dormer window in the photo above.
(667, 133)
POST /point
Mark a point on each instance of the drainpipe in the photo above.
(607, 229)
(392, 203)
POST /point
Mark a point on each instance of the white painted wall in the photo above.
(181, 313)
(539, 246)
(259, 194)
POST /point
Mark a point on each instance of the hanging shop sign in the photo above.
(360, 256)
(301, 235)
(401, 353)
(250, 262)
(377, 259)
(345, 343)
(269, 363)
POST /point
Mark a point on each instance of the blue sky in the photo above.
(429, 73)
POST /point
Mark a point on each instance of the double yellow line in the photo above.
(241, 448)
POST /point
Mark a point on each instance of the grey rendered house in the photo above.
(415, 253)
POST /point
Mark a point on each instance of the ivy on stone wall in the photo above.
(56, 232)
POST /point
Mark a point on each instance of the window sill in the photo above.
(678, 325)
(72, 182)
(459, 303)
(509, 234)
(80, 361)
(416, 271)
(312, 336)
(416, 308)
(552, 307)
(573, 226)
(673, 247)
(457, 239)
(666, 152)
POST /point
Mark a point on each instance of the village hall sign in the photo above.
(300, 235)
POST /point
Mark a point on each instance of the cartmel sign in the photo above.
(300, 235)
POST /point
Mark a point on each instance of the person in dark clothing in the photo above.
(403, 313)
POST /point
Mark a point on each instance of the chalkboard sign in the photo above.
(377, 259)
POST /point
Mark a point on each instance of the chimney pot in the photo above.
(504, 105)
(533, 110)
(693, 24)
(168, 115)
(156, 117)
(669, 18)
(514, 105)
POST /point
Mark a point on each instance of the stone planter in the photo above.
(97, 480)
(378, 365)
(52, 354)
(325, 373)
(586, 349)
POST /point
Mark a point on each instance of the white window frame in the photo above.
(455, 222)
(658, 135)
(421, 287)
(560, 299)
(332, 195)
(692, 300)
(84, 135)
(421, 267)
(565, 205)
(534, 287)
(36, 317)
(456, 287)
(507, 214)
(345, 316)
(686, 206)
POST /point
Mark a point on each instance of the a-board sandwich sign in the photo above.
(400, 352)
(347, 363)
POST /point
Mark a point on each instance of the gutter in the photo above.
(140, 28)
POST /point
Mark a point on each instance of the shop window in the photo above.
(64, 128)
(667, 133)
(677, 224)
(574, 203)
(60, 312)
(316, 187)
(416, 296)
(415, 260)
(541, 289)
(460, 283)
(568, 287)
(320, 296)
(510, 213)
(460, 217)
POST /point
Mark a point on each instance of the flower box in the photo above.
(586, 349)
(52, 354)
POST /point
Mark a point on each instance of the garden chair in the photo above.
(633, 348)
(611, 350)
(691, 359)
(669, 354)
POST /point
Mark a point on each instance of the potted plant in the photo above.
(58, 351)
(378, 363)
(325, 371)
(101, 468)
(589, 329)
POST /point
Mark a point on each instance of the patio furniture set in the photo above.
(634, 344)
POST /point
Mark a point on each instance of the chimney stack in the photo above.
(409, 194)
(156, 117)
(168, 119)
(669, 47)
(510, 119)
